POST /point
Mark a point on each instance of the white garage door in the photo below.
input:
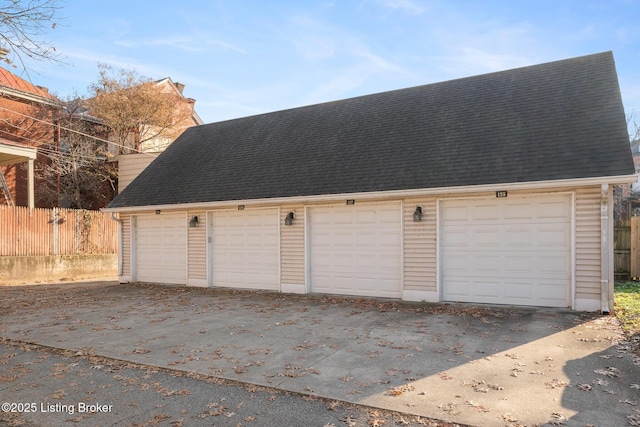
(356, 250)
(514, 250)
(161, 248)
(245, 249)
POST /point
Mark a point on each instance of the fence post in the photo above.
(56, 240)
(77, 232)
(635, 238)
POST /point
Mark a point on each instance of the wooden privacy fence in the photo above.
(622, 249)
(627, 248)
(31, 232)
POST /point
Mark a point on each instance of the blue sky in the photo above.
(239, 58)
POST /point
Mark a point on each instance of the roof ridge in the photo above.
(441, 82)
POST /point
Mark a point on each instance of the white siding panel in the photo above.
(126, 245)
(130, 166)
(197, 262)
(588, 243)
(420, 247)
(292, 246)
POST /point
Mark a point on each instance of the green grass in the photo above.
(627, 309)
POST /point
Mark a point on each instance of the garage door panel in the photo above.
(486, 237)
(519, 265)
(550, 292)
(245, 250)
(457, 238)
(459, 263)
(161, 248)
(484, 211)
(486, 289)
(554, 265)
(517, 212)
(554, 209)
(454, 214)
(517, 238)
(356, 250)
(556, 236)
(485, 264)
(525, 251)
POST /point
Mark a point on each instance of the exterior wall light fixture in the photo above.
(417, 214)
(288, 220)
(193, 222)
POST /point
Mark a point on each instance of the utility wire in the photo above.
(48, 151)
(78, 132)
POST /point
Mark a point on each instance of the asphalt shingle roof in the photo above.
(559, 120)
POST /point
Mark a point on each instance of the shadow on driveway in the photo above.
(476, 365)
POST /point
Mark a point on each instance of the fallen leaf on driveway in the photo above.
(59, 394)
(350, 422)
(610, 371)
(559, 419)
(509, 418)
(602, 382)
(476, 406)
(397, 391)
(332, 405)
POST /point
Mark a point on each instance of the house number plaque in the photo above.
(501, 194)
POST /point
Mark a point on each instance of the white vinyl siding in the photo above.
(356, 250)
(161, 248)
(130, 166)
(360, 253)
(588, 245)
(126, 245)
(197, 263)
(292, 246)
(246, 249)
(420, 249)
(514, 250)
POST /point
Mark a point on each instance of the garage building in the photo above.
(492, 189)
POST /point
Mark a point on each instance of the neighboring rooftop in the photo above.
(12, 81)
(553, 121)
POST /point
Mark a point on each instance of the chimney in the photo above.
(180, 87)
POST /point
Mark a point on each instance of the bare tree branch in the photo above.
(78, 163)
(137, 110)
(23, 25)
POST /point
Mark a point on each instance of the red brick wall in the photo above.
(16, 125)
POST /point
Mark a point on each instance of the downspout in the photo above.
(605, 259)
(119, 221)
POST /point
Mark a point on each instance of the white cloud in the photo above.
(225, 45)
(183, 43)
(376, 63)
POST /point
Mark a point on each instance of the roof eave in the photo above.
(28, 96)
(531, 185)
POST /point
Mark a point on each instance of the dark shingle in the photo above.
(559, 120)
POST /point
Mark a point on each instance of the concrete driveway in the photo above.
(475, 365)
